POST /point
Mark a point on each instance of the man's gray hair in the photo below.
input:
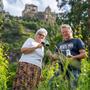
(65, 26)
(42, 30)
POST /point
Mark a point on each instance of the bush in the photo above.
(59, 83)
(3, 71)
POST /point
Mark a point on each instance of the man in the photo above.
(70, 47)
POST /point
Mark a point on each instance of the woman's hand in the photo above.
(30, 50)
(39, 46)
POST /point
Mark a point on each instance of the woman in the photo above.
(30, 63)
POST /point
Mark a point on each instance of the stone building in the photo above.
(31, 11)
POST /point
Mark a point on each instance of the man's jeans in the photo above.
(73, 83)
(69, 73)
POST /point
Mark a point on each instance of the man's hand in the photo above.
(49, 54)
(52, 56)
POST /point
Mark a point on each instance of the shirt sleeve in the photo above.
(27, 43)
(81, 44)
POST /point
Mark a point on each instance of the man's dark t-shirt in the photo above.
(74, 45)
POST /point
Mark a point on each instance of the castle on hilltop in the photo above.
(31, 11)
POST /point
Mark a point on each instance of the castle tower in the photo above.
(48, 10)
(30, 10)
(49, 16)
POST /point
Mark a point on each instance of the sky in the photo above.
(15, 7)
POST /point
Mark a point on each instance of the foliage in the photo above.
(32, 26)
(84, 79)
(77, 17)
(54, 77)
(3, 70)
(47, 73)
(53, 81)
(11, 75)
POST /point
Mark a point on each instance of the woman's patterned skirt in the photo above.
(27, 77)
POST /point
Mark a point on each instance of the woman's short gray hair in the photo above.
(42, 30)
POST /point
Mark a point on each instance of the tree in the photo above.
(89, 27)
(77, 18)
